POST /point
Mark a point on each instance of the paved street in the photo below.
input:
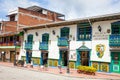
(11, 73)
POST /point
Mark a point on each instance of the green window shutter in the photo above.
(84, 31)
(115, 26)
(30, 38)
(65, 32)
(45, 37)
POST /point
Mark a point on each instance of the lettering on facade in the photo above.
(100, 36)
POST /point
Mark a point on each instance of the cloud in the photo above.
(84, 8)
(8, 5)
(71, 8)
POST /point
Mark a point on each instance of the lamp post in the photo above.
(68, 69)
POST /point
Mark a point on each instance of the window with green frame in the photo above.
(45, 37)
(30, 38)
(116, 29)
(115, 26)
(84, 31)
(65, 32)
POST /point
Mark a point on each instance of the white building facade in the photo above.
(88, 42)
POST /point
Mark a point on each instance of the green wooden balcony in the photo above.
(28, 46)
(114, 40)
(43, 46)
(62, 41)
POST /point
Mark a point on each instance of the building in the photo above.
(11, 33)
(92, 41)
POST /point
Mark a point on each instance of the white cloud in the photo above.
(84, 8)
(8, 5)
(71, 8)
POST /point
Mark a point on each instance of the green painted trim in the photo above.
(2, 47)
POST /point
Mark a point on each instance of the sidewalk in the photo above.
(73, 72)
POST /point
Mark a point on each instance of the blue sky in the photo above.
(71, 8)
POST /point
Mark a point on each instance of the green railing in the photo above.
(114, 40)
(62, 41)
(43, 46)
(28, 45)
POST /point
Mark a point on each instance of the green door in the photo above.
(115, 62)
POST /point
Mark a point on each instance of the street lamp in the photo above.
(68, 69)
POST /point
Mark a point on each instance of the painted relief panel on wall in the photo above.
(100, 48)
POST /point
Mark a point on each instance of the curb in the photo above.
(65, 75)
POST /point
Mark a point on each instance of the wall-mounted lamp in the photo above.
(36, 33)
(57, 36)
(53, 32)
(99, 28)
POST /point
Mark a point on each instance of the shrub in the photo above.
(86, 70)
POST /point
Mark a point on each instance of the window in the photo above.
(11, 38)
(30, 38)
(116, 27)
(65, 32)
(84, 31)
(45, 37)
(12, 18)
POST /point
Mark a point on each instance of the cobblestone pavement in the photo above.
(9, 72)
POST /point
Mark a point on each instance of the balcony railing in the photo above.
(28, 45)
(62, 41)
(114, 40)
(43, 46)
(9, 43)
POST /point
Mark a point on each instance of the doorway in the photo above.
(28, 56)
(45, 58)
(115, 61)
(3, 56)
(63, 58)
(12, 56)
(84, 58)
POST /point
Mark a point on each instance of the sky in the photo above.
(72, 9)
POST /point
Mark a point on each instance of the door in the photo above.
(84, 58)
(63, 58)
(115, 62)
(45, 58)
(28, 56)
(3, 56)
(12, 56)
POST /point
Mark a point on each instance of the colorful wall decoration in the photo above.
(100, 48)
(95, 65)
(104, 67)
(72, 65)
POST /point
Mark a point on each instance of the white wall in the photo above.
(53, 47)
(101, 38)
(97, 38)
